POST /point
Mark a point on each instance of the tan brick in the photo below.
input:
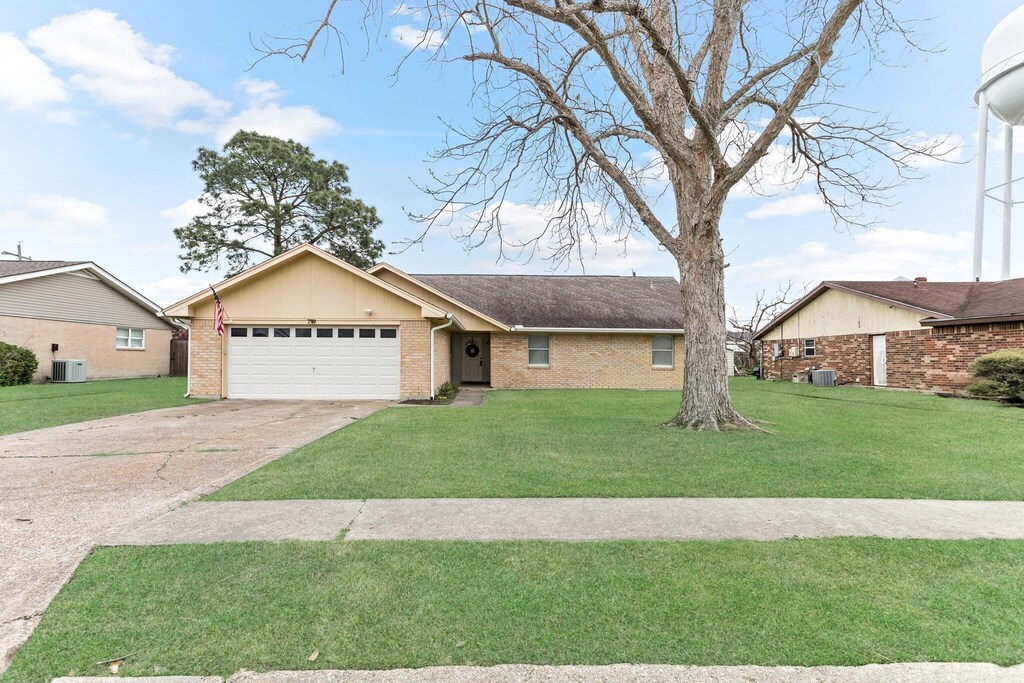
(94, 343)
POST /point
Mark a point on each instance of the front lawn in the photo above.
(212, 609)
(45, 405)
(823, 442)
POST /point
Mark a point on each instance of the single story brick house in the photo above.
(75, 310)
(308, 325)
(909, 334)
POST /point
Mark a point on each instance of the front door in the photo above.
(472, 359)
(878, 373)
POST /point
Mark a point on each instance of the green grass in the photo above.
(212, 609)
(45, 405)
(839, 442)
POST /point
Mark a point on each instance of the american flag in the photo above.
(218, 314)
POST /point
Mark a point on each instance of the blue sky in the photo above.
(103, 105)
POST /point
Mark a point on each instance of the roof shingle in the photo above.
(949, 299)
(8, 268)
(568, 301)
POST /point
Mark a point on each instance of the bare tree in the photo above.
(746, 325)
(643, 115)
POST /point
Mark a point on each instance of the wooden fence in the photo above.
(179, 358)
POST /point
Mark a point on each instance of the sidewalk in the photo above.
(624, 673)
(581, 519)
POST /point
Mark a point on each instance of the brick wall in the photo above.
(415, 358)
(94, 343)
(207, 360)
(584, 361)
(939, 359)
(442, 357)
(931, 359)
(849, 355)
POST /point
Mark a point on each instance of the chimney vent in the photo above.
(918, 280)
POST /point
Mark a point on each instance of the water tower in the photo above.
(1002, 94)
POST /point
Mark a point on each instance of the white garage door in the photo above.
(313, 362)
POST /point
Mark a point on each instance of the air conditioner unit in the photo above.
(67, 371)
(823, 378)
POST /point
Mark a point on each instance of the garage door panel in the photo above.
(325, 365)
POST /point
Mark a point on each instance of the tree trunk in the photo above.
(706, 403)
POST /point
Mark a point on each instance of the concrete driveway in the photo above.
(66, 489)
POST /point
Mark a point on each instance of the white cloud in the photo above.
(26, 81)
(879, 254)
(264, 114)
(415, 38)
(64, 116)
(58, 220)
(184, 212)
(259, 90)
(172, 289)
(300, 123)
(120, 68)
(794, 205)
(605, 252)
(941, 149)
(404, 10)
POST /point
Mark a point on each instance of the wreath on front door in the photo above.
(472, 350)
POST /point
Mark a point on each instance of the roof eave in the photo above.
(600, 330)
(977, 320)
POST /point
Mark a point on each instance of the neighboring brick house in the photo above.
(906, 334)
(66, 310)
(306, 324)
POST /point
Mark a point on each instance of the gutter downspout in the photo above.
(451, 321)
(188, 364)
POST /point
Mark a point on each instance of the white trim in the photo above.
(451, 321)
(130, 330)
(671, 351)
(427, 309)
(595, 330)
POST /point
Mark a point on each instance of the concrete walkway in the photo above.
(582, 519)
(623, 673)
(66, 489)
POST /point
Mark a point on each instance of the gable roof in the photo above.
(568, 301)
(9, 268)
(377, 268)
(941, 303)
(181, 307)
(16, 271)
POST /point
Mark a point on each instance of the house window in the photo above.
(662, 351)
(130, 338)
(239, 331)
(808, 348)
(538, 349)
(389, 333)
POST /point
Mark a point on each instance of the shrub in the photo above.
(16, 365)
(1001, 374)
(447, 392)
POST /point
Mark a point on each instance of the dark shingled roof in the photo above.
(939, 302)
(954, 300)
(584, 301)
(8, 268)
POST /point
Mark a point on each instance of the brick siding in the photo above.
(93, 343)
(206, 363)
(932, 359)
(848, 354)
(584, 361)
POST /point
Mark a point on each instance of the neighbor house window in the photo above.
(130, 338)
(662, 351)
(808, 347)
(538, 349)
